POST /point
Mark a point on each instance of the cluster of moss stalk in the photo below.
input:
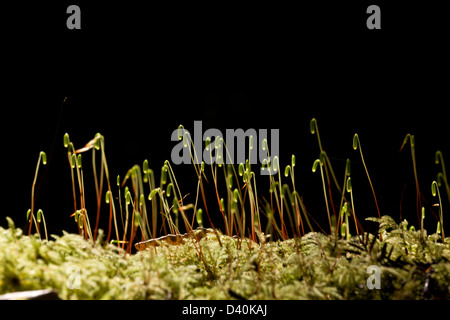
(302, 260)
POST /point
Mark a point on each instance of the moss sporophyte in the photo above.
(243, 242)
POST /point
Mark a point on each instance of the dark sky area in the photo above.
(135, 73)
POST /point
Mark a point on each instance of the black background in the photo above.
(134, 73)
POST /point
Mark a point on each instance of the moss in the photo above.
(412, 267)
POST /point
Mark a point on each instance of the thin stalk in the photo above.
(69, 146)
(272, 165)
(298, 202)
(98, 188)
(72, 166)
(344, 215)
(421, 221)
(99, 142)
(320, 163)
(346, 174)
(295, 205)
(289, 200)
(151, 183)
(435, 191)
(276, 168)
(112, 208)
(440, 159)
(411, 139)
(43, 157)
(356, 144)
(45, 225)
(350, 190)
(314, 129)
(127, 202)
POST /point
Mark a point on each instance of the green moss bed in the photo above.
(412, 266)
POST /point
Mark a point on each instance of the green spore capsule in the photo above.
(175, 205)
(440, 179)
(199, 217)
(66, 140)
(264, 164)
(312, 126)
(137, 218)
(74, 161)
(355, 141)
(343, 230)
(146, 177)
(218, 142)
(235, 195)
(108, 197)
(241, 169)
(97, 142)
(145, 166)
(264, 144)
(315, 164)
(185, 139)
(80, 220)
(275, 164)
(153, 193)
(437, 156)
(246, 175)
(39, 216)
(230, 180)
(28, 214)
(164, 174)
(128, 197)
(286, 171)
(219, 158)
(349, 185)
(180, 132)
(344, 209)
(79, 161)
(433, 188)
(44, 157)
(348, 167)
(169, 189)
